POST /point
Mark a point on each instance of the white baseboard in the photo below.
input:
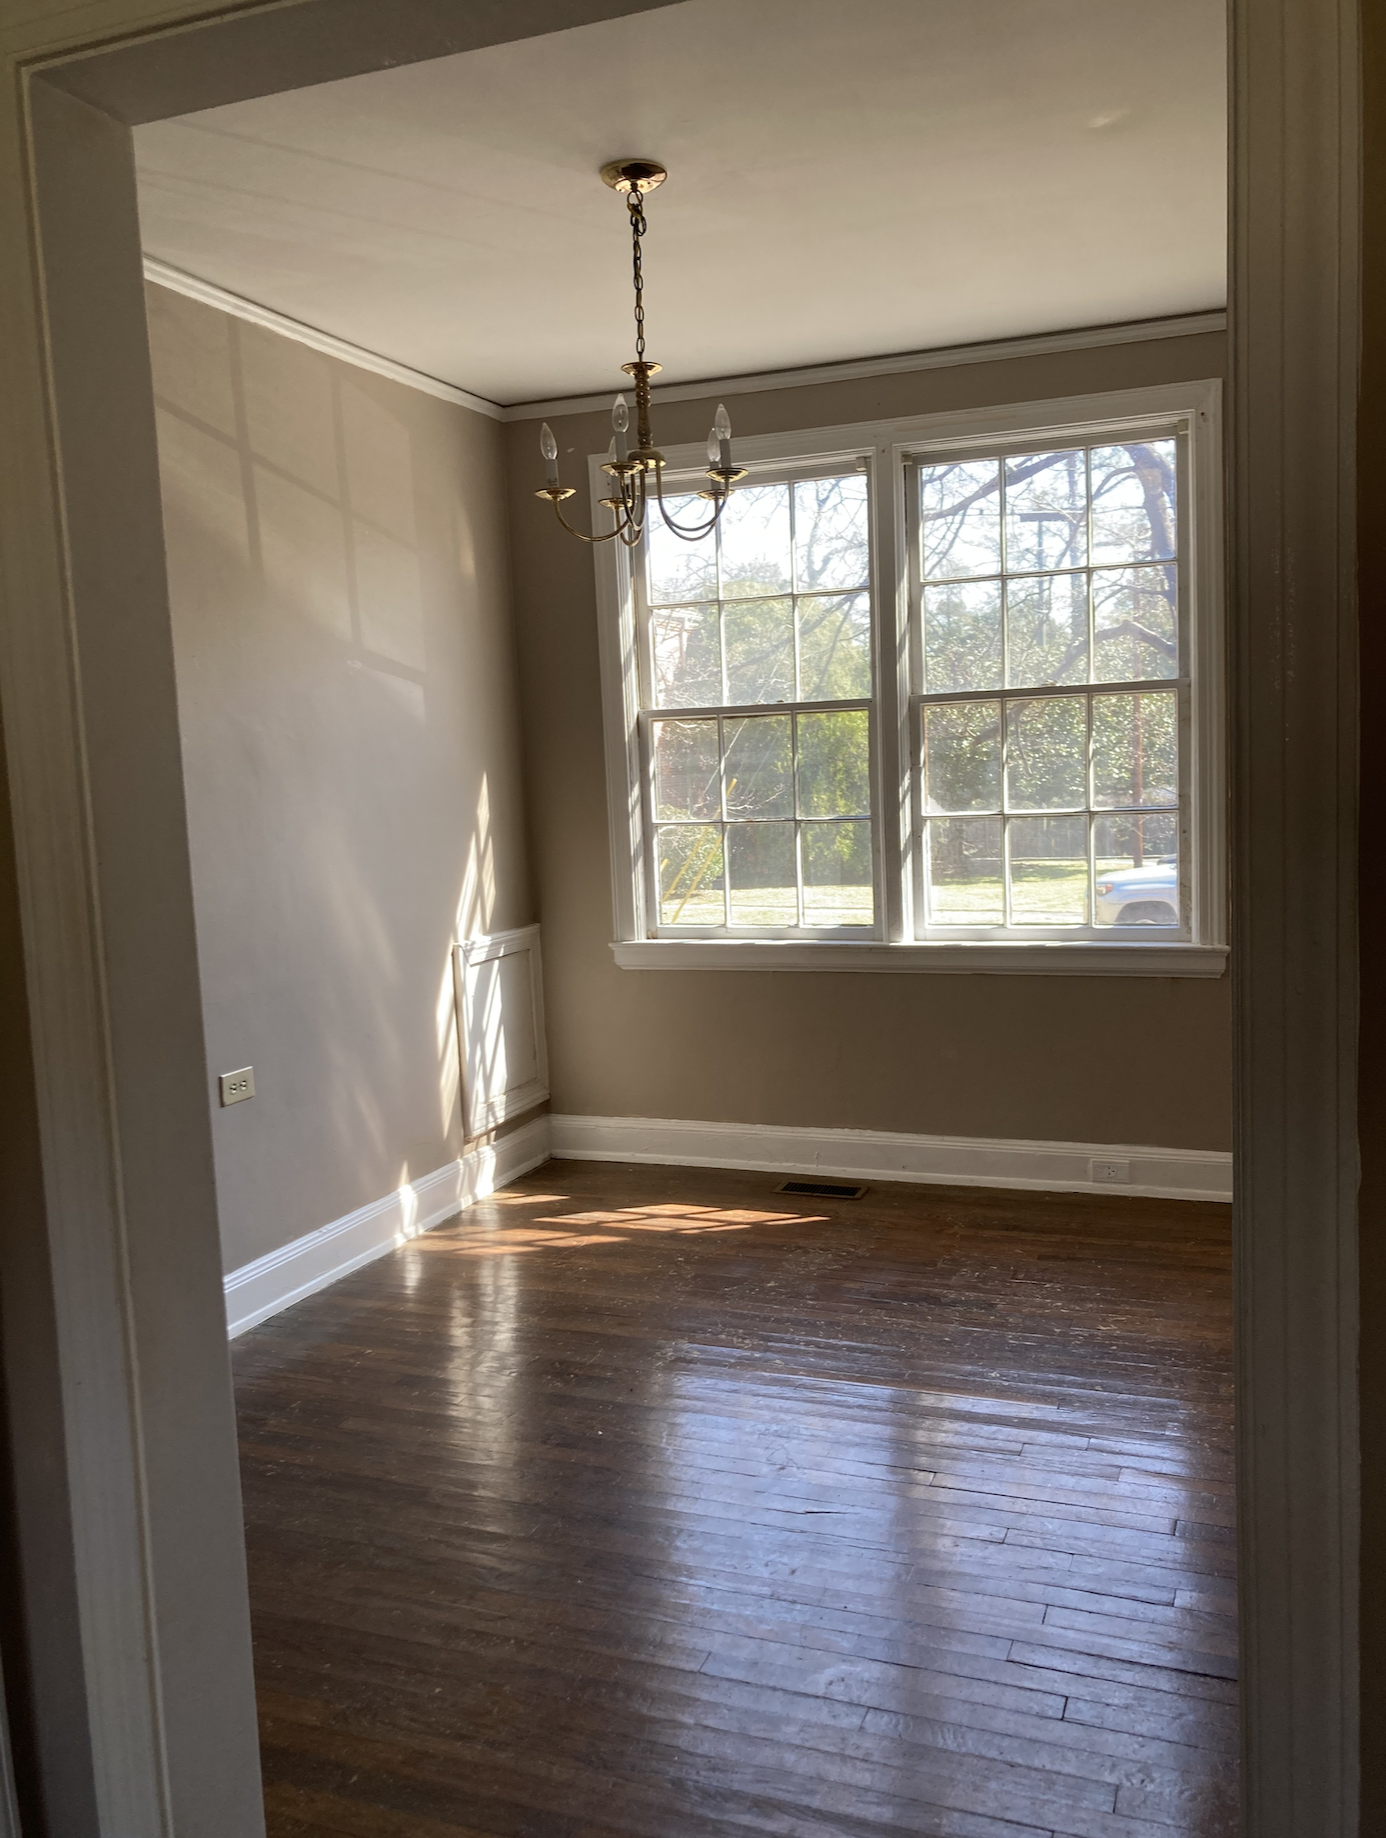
(257, 1291)
(963, 1161)
(274, 1282)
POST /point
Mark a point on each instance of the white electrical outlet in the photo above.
(1111, 1170)
(236, 1087)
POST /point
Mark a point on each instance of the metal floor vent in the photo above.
(836, 1190)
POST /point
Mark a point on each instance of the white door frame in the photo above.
(114, 1110)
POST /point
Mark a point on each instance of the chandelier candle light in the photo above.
(632, 467)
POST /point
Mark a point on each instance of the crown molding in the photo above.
(1136, 331)
(162, 274)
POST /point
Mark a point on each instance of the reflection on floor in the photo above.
(648, 1501)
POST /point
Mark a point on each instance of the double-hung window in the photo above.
(1053, 713)
(755, 734)
(937, 694)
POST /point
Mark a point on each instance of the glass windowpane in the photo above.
(690, 875)
(1046, 754)
(1137, 870)
(964, 868)
(1134, 633)
(775, 607)
(759, 767)
(687, 656)
(762, 887)
(832, 528)
(1046, 630)
(962, 636)
(962, 757)
(834, 647)
(1046, 511)
(1134, 502)
(1135, 749)
(960, 519)
(754, 541)
(1090, 596)
(1048, 861)
(675, 569)
(834, 764)
(759, 637)
(687, 769)
(838, 886)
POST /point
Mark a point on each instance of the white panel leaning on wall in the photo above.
(500, 1027)
(500, 1030)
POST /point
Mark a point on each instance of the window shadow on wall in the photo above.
(338, 699)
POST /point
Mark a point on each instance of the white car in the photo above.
(1148, 895)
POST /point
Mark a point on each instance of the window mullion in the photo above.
(794, 591)
(1006, 913)
(798, 826)
(1091, 822)
(722, 816)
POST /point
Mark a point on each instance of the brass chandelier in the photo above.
(631, 468)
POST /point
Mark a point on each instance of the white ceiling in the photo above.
(849, 178)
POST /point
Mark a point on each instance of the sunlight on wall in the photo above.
(201, 478)
(475, 911)
(302, 552)
(344, 687)
(449, 1049)
(501, 1049)
(408, 1207)
(477, 904)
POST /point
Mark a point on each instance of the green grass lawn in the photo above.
(1042, 893)
(776, 906)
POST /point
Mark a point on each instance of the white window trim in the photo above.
(887, 447)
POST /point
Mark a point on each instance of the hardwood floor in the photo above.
(650, 1502)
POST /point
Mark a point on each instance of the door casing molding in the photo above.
(1294, 335)
(117, 1077)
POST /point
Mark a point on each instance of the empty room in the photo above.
(664, 722)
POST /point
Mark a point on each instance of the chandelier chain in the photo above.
(631, 499)
(637, 230)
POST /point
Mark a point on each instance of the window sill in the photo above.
(980, 958)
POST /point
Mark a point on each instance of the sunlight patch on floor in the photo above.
(481, 1240)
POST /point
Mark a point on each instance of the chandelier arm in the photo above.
(633, 497)
(688, 535)
(580, 535)
(633, 507)
(694, 535)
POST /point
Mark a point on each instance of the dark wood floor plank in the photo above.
(646, 1503)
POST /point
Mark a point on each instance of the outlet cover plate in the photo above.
(236, 1087)
(1109, 1170)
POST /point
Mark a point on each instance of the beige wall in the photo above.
(1061, 1058)
(341, 603)
(340, 596)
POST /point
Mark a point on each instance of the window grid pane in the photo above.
(727, 788)
(1076, 824)
(778, 836)
(818, 579)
